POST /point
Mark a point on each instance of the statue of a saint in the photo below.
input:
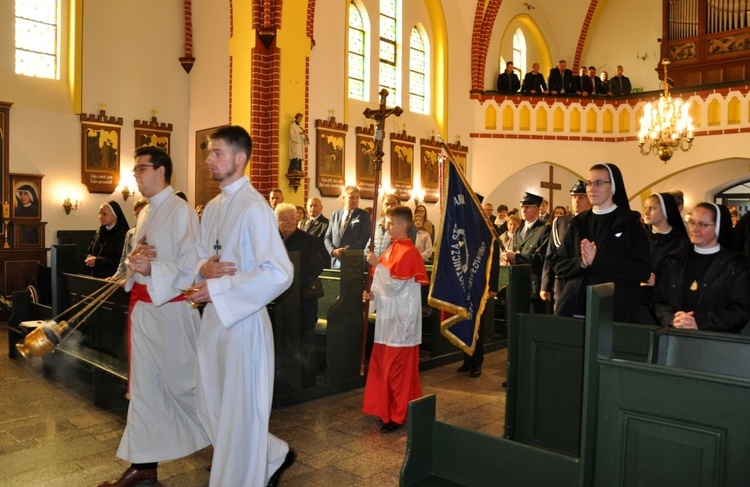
(297, 142)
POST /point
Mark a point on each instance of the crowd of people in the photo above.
(562, 81)
(689, 273)
(205, 377)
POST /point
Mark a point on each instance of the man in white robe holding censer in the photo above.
(162, 421)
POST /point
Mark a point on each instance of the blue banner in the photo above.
(460, 275)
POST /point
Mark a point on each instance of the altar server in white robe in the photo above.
(243, 266)
(162, 422)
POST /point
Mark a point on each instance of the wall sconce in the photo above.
(127, 193)
(68, 206)
(418, 195)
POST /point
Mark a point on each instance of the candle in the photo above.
(6, 210)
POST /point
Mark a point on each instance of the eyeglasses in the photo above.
(598, 183)
(700, 225)
(140, 168)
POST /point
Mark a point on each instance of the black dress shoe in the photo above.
(288, 461)
(133, 476)
(476, 372)
(390, 427)
(463, 368)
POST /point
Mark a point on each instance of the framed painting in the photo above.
(402, 165)
(100, 152)
(330, 164)
(366, 156)
(152, 133)
(28, 235)
(429, 164)
(205, 186)
(26, 204)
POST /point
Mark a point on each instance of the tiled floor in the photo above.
(51, 434)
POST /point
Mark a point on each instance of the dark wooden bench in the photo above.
(641, 424)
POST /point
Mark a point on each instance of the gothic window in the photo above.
(418, 73)
(357, 54)
(388, 49)
(519, 53)
(37, 39)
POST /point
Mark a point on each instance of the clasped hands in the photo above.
(213, 268)
(684, 320)
(588, 252)
(140, 258)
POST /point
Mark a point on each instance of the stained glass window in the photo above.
(388, 53)
(37, 38)
(418, 89)
(357, 51)
(519, 53)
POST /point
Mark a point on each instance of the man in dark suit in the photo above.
(619, 85)
(533, 82)
(560, 80)
(508, 81)
(349, 229)
(317, 226)
(532, 245)
(591, 84)
(579, 203)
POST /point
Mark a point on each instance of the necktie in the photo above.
(345, 222)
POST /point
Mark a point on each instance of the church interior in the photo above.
(169, 73)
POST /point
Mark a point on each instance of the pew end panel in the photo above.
(441, 454)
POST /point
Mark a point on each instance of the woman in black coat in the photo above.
(105, 250)
(311, 266)
(706, 285)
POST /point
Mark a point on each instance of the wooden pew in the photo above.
(642, 424)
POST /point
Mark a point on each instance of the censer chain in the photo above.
(97, 299)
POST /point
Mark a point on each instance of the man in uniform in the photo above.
(162, 420)
(579, 203)
(532, 245)
(243, 266)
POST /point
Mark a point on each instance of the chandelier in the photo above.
(666, 126)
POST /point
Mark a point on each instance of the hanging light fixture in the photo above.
(666, 126)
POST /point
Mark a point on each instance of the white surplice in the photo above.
(162, 419)
(398, 309)
(235, 347)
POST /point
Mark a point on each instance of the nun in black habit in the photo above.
(706, 285)
(605, 244)
(105, 250)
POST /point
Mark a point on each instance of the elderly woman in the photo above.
(704, 286)
(311, 267)
(103, 254)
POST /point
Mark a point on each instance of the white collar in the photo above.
(231, 188)
(710, 251)
(604, 212)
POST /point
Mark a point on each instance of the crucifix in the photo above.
(551, 185)
(379, 116)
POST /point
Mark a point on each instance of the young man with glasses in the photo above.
(162, 422)
(606, 244)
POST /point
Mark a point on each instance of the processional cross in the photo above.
(379, 116)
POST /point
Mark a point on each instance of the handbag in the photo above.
(314, 290)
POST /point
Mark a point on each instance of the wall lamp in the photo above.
(127, 193)
(68, 206)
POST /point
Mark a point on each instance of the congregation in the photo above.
(689, 273)
(562, 81)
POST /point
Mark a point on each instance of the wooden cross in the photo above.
(552, 186)
(153, 113)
